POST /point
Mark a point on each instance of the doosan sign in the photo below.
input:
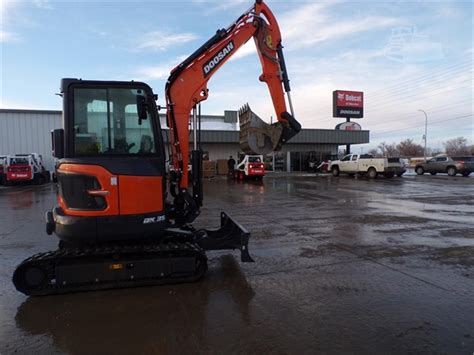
(348, 104)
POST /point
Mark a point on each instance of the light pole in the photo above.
(426, 129)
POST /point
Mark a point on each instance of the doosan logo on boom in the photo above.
(224, 52)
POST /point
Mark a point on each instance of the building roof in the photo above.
(26, 111)
(306, 136)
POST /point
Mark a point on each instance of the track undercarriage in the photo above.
(179, 257)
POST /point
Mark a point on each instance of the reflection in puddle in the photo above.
(166, 319)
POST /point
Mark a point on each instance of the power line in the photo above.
(417, 80)
(432, 73)
(410, 95)
(414, 115)
(420, 101)
(408, 98)
(450, 70)
(431, 123)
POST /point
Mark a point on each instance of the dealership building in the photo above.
(28, 131)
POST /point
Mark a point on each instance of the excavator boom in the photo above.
(187, 86)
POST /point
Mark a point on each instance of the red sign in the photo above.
(350, 98)
(348, 104)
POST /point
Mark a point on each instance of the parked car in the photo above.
(366, 164)
(397, 165)
(445, 164)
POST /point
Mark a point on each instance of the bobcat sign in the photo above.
(348, 104)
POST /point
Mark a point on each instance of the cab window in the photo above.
(106, 122)
(255, 160)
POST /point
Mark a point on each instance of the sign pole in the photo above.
(348, 146)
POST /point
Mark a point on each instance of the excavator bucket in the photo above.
(256, 136)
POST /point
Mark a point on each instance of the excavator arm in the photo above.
(187, 86)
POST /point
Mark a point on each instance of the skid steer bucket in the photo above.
(256, 136)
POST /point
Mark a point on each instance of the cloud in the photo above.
(43, 4)
(6, 14)
(311, 24)
(10, 10)
(6, 6)
(295, 22)
(214, 6)
(8, 37)
(162, 40)
(154, 72)
(337, 30)
(244, 51)
(160, 71)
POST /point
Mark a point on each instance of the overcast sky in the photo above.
(404, 55)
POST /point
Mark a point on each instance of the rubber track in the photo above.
(48, 261)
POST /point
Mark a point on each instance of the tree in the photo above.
(431, 152)
(388, 150)
(407, 148)
(456, 146)
(374, 152)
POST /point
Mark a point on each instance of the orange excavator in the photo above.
(115, 225)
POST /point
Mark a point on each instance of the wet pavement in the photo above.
(342, 266)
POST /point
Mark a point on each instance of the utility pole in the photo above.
(426, 131)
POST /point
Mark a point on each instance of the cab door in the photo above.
(353, 164)
(345, 163)
(430, 165)
(114, 126)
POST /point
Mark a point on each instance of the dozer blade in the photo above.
(231, 235)
(256, 136)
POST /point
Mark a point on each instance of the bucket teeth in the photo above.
(256, 136)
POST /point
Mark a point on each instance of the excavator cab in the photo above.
(112, 218)
(111, 164)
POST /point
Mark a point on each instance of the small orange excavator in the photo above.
(115, 225)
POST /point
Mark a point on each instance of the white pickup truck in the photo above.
(366, 164)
